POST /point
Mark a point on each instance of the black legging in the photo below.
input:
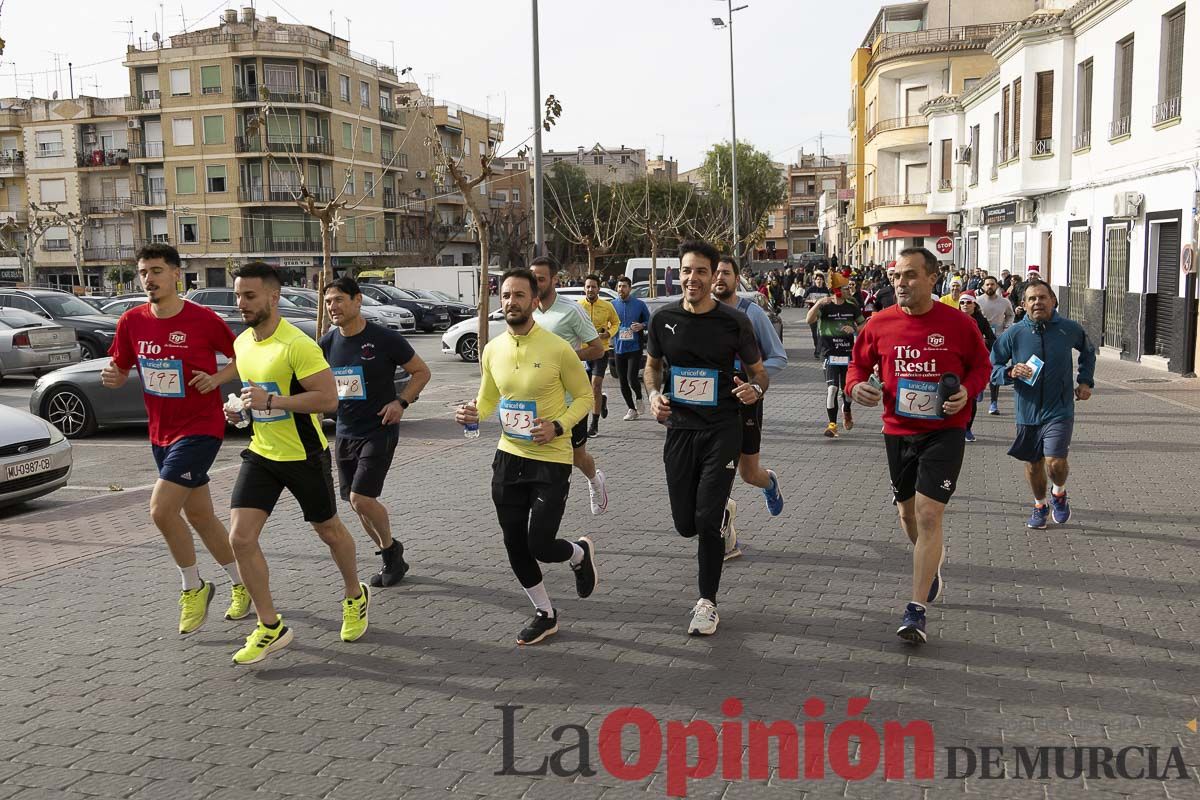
(530, 498)
(628, 365)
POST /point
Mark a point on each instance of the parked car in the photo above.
(116, 308)
(430, 316)
(92, 300)
(94, 331)
(35, 457)
(576, 292)
(641, 289)
(394, 317)
(31, 344)
(224, 301)
(458, 309)
(463, 339)
(776, 321)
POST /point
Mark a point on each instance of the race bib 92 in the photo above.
(162, 377)
(694, 386)
(516, 418)
(351, 385)
(917, 399)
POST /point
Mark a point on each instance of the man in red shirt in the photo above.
(174, 345)
(914, 344)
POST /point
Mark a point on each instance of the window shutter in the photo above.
(1004, 98)
(946, 160)
(1175, 56)
(1125, 97)
(1045, 105)
(1016, 120)
(1085, 93)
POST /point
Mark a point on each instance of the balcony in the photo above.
(154, 197)
(895, 123)
(393, 116)
(1167, 111)
(12, 163)
(400, 246)
(1083, 140)
(887, 200)
(393, 160)
(933, 41)
(1042, 148)
(146, 150)
(109, 252)
(155, 238)
(150, 100)
(447, 193)
(103, 158)
(455, 153)
(312, 145)
(281, 194)
(1118, 128)
(108, 205)
(256, 93)
(56, 245)
(808, 221)
(18, 215)
(273, 244)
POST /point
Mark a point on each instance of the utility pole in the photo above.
(539, 231)
(737, 236)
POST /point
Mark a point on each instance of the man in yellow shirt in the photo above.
(606, 322)
(956, 290)
(527, 374)
(287, 385)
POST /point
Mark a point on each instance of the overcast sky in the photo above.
(643, 73)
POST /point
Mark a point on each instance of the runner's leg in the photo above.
(166, 502)
(374, 517)
(245, 527)
(1035, 473)
(199, 511)
(624, 379)
(717, 455)
(927, 553)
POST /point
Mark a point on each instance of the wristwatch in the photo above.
(758, 389)
(558, 428)
(404, 403)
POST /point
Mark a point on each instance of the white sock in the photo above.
(576, 555)
(540, 599)
(232, 571)
(191, 578)
(1041, 501)
(918, 605)
(1056, 489)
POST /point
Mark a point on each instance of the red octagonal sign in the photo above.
(945, 245)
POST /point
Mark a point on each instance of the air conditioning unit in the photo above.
(952, 223)
(97, 223)
(964, 155)
(973, 216)
(133, 123)
(1026, 211)
(1127, 204)
(422, 174)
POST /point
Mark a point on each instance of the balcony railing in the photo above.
(895, 123)
(400, 161)
(453, 152)
(108, 205)
(56, 245)
(896, 200)
(109, 252)
(389, 198)
(211, 90)
(805, 221)
(102, 158)
(950, 38)
(155, 238)
(400, 246)
(1167, 110)
(944, 184)
(393, 115)
(274, 244)
(447, 192)
(146, 150)
(281, 194)
(1042, 147)
(1083, 139)
(150, 198)
(253, 93)
(150, 100)
(313, 145)
(1119, 127)
(12, 162)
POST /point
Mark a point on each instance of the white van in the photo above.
(638, 269)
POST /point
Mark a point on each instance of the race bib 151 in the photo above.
(694, 386)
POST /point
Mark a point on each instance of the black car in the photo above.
(430, 316)
(458, 311)
(93, 330)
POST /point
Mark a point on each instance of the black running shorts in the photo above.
(598, 366)
(261, 480)
(363, 463)
(752, 424)
(579, 435)
(928, 463)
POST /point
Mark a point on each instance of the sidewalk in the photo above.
(1080, 635)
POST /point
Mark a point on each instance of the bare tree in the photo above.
(657, 210)
(593, 221)
(23, 237)
(511, 234)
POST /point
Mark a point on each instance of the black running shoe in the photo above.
(586, 576)
(394, 566)
(539, 628)
(603, 406)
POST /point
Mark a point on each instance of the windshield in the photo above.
(301, 300)
(16, 318)
(443, 296)
(427, 295)
(370, 301)
(285, 303)
(65, 305)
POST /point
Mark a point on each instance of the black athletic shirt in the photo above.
(700, 350)
(832, 318)
(371, 357)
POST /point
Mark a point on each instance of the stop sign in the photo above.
(945, 245)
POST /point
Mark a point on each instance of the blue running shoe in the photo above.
(1060, 509)
(1037, 520)
(969, 435)
(912, 629)
(775, 497)
(938, 586)
(993, 409)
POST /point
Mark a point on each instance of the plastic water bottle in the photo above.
(234, 404)
(471, 430)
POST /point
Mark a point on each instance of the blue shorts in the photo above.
(1035, 442)
(186, 461)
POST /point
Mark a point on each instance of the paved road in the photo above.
(1074, 636)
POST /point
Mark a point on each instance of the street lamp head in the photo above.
(718, 22)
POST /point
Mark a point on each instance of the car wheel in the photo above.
(468, 347)
(69, 411)
(89, 350)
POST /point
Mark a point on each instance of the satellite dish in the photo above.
(156, 37)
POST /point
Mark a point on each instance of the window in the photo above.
(181, 132)
(349, 228)
(1170, 78)
(995, 143)
(516, 195)
(369, 184)
(1122, 89)
(993, 264)
(625, 160)
(350, 181)
(347, 136)
(770, 221)
(385, 100)
(218, 229)
(1043, 121)
(1083, 105)
(181, 82)
(368, 140)
(597, 159)
(1018, 253)
(215, 177)
(49, 143)
(281, 77)
(344, 88)
(969, 84)
(185, 180)
(947, 159)
(189, 230)
(1015, 144)
(54, 190)
(210, 79)
(364, 94)
(214, 129)
(466, 146)
(369, 232)
(1005, 99)
(974, 154)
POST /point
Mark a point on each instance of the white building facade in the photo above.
(1081, 154)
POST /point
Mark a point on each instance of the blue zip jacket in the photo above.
(774, 355)
(1053, 395)
(630, 311)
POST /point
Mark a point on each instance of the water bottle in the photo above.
(471, 430)
(235, 404)
(948, 386)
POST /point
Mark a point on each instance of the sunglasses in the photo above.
(966, 302)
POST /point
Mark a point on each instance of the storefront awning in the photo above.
(909, 230)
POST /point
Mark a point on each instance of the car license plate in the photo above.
(59, 358)
(26, 468)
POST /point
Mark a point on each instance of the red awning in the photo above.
(908, 230)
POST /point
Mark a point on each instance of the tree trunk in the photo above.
(653, 267)
(485, 295)
(591, 259)
(79, 261)
(326, 276)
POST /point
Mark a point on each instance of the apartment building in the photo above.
(14, 203)
(912, 53)
(662, 168)
(810, 177)
(1078, 153)
(607, 165)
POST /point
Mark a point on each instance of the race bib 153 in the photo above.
(516, 418)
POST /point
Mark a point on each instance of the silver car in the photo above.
(394, 317)
(30, 344)
(35, 457)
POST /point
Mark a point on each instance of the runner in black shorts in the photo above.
(915, 344)
(365, 357)
(837, 322)
(287, 385)
(702, 340)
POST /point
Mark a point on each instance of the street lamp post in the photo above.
(539, 231)
(720, 23)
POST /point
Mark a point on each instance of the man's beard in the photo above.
(723, 296)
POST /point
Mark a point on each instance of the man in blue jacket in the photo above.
(634, 316)
(1034, 356)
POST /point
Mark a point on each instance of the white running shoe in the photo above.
(704, 619)
(598, 494)
(728, 531)
(630, 415)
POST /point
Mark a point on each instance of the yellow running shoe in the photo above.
(831, 430)
(239, 602)
(262, 642)
(193, 607)
(354, 615)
